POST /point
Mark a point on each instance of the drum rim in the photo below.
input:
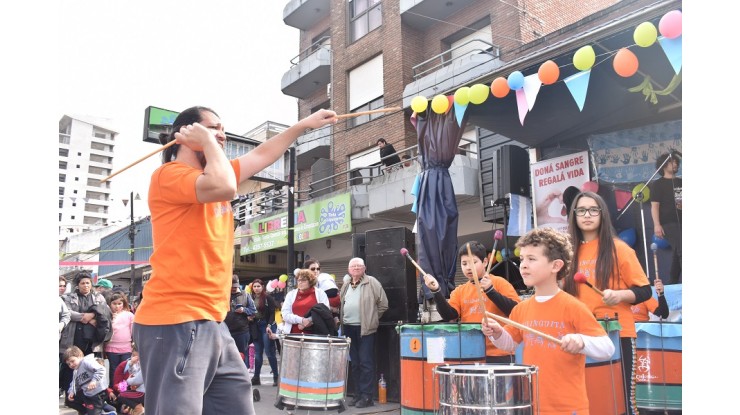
(314, 338)
(505, 368)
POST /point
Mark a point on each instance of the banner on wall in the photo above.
(313, 221)
(628, 156)
(550, 178)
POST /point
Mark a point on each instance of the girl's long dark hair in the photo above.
(187, 117)
(606, 259)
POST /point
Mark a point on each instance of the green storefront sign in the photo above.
(317, 220)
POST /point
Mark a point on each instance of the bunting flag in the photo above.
(459, 112)
(578, 86)
(415, 193)
(672, 50)
(521, 103)
(531, 88)
(520, 215)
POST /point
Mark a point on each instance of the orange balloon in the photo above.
(549, 72)
(625, 63)
(500, 87)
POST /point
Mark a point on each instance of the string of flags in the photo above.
(526, 87)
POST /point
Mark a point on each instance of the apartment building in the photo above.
(86, 147)
(362, 55)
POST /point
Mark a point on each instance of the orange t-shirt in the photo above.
(630, 274)
(193, 251)
(464, 299)
(561, 376)
(640, 310)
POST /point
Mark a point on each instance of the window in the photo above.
(61, 191)
(63, 165)
(64, 152)
(467, 42)
(61, 203)
(366, 90)
(363, 166)
(62, 178)
(365, 16)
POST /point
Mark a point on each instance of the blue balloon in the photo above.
(515, 80)
(629, 236)
(662, 243)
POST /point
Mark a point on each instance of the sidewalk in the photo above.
(268, 396)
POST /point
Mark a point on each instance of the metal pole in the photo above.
(131, 236)
(291, 218)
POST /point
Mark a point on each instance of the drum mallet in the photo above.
(523, 327)
(497, 236)
(582, 279)
(405, 252)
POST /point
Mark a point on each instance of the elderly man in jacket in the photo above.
(363, 302)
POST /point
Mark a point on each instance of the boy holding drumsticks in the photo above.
(464, 303)
(545, 259)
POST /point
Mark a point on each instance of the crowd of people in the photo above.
(188, 338)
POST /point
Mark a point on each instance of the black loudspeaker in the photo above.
(388, 359)
(358, 245)
(394, 271)
(506, 171)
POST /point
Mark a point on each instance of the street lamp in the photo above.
(131, 237)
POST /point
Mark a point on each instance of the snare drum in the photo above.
(462, 343)
(313, 371)
(658, 366)
(495, 389)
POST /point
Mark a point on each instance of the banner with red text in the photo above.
(550, 178)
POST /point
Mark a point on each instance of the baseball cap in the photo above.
(104, 283)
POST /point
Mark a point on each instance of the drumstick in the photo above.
(170, 144)
(405, 252)
(582, 279)
(481, 302)
(357, 114)
(654, 248)
(523, 327)
(497, 236)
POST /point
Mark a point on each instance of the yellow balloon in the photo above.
(584, 58)
(419, 104)
(499, 257)
(283, 278)
(479, 93)
(645, 34)
(462, 96)
(517, 251)
(440, 104)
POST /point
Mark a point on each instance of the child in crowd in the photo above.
(545, 256)
(118, 348)
(86, 393)
(464, 303)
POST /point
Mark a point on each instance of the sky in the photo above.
(117, 58)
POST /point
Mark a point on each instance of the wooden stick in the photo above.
(170, 144)
(416, 265)
(357, 114)
(523, 327)
(491, 259)
(598, 291)
(481, 301)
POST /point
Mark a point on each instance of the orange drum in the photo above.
(604, 378)
(658, 366)
(462, 343)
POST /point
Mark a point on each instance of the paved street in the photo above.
(268, 395)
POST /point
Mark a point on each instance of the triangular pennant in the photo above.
(578, 86)
(521, 103)
(413, 119)
(672, 49)
(459, 112)
(532, 86)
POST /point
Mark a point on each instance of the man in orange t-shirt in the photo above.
(178, 327)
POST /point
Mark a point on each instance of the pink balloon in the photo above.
(590, 187)
(670, 24)
(281, 284)
(273, 283)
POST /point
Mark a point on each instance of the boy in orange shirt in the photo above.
(464, 303)
(545, 259)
